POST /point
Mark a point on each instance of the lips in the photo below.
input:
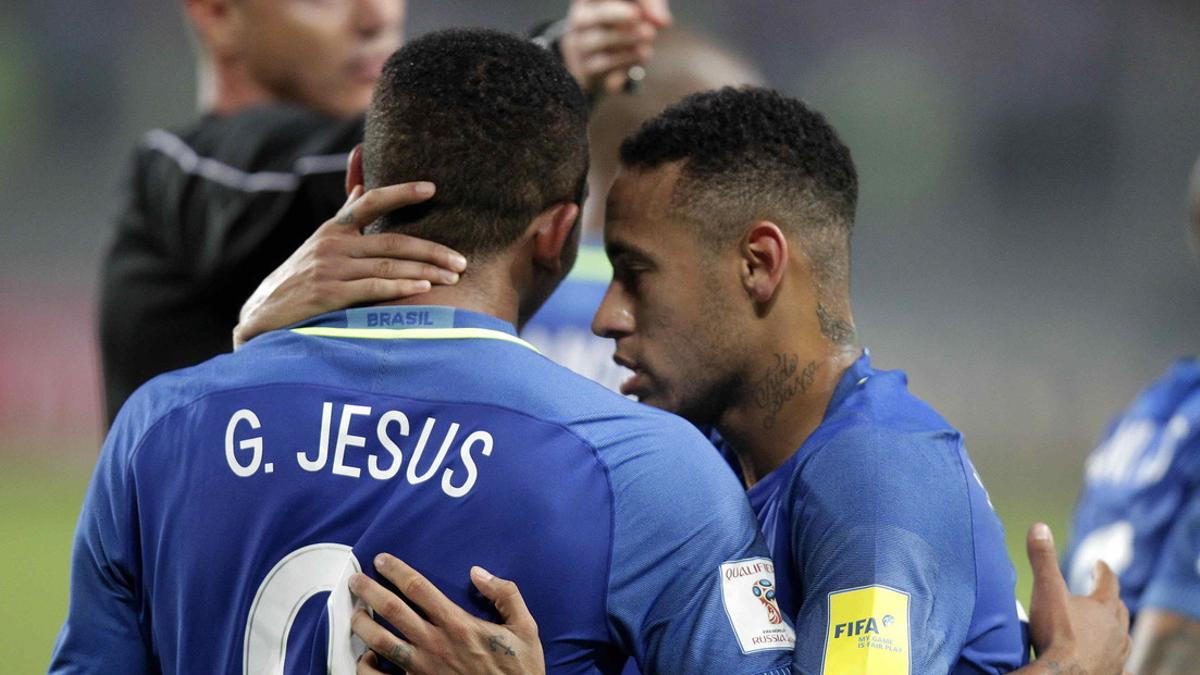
(636, 381)
(367, 68)
(631, 386)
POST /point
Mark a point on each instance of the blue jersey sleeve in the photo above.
(1175, 582)
(887, 574)
(104, 632)
(681, 592)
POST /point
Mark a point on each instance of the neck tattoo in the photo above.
(783, 380)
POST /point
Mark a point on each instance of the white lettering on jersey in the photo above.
(1154, 468)
(485, 439)
(346, 439)
(430, 422)
(301, 574)
(1112, 543)
(1129, 456)
(389, 445)
(254, 444)
(323, 449)
(383, 465)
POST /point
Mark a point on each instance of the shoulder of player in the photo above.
(628, 437)
(873, 482)
(1177, 386)
(170, 392)
(612, 422)
(885, 462)
(1172, 402)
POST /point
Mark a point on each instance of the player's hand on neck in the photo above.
(338, 267)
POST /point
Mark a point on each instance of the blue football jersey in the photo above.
(1140, 506)
(233, 500)
(562, 328)
(887, 550)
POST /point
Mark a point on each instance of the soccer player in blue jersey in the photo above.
(234, 500)
(729, 232)
(1140, 512)
(728, 229)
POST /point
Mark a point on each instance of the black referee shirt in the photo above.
(209, 212)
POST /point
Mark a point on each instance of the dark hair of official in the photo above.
(493, 120)
(752, 154)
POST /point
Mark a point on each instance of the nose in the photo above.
(372, 17)
(614, 318)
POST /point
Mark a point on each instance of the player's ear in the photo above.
(218, 24)
(764, 252)
(354, 170)
(554, 236)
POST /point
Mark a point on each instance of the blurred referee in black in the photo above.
(212, 208)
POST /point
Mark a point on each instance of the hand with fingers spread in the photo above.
(451, 640)
(339, 267)
(1074, 634)
(605, 38)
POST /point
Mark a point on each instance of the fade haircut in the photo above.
(752, 154)
(493, 120)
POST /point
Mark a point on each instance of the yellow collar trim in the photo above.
(414, 334)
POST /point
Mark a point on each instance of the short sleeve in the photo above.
(691, 587)
(1175, 582)
(104, 631)
(882, 540)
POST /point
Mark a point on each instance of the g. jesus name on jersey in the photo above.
(1140, 507)
(233, 500)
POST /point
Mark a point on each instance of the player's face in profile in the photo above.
(666, 307)
(323, 54)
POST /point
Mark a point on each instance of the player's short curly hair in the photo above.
(750, 154)
(775, 150)
(493, 120)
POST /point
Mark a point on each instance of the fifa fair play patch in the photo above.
(748, 590)
(867, 633)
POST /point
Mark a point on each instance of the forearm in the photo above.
(1051, 664)
(1165, 643)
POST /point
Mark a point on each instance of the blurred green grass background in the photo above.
(38, 508)
(39, 504)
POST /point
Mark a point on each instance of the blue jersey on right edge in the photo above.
(1140, 506)
(887, 550)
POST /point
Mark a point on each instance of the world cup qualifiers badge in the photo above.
(764, 590)
(751, 600)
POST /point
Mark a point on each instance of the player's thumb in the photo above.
(507, 598)
(656, 12)
(1106, 585)
(1049, 601)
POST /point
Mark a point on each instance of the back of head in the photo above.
(749, 154)
(493, 120)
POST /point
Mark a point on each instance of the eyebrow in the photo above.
(624, 252)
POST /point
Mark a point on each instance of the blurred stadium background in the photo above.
(1021, 245)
